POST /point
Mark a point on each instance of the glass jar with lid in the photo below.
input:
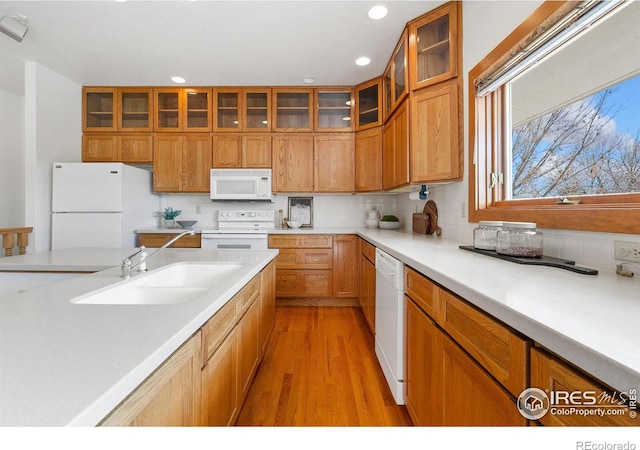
(485, 237)
(519, 239)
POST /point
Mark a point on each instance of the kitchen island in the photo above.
(63, 363)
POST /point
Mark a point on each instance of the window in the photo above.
(555, 137)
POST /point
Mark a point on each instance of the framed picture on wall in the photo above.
(301, 208)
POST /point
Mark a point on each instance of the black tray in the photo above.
(541, 261)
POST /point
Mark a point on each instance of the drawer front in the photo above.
(293, 258)
(303, 283)
(248, 294)
(154, 240)
(552, 374)
(420, 289)
(499, 350)
(217, 328)
(368, 250)
(300, 241)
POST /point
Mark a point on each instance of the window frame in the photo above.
(617, 213)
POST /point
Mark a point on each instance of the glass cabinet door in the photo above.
(334, 111)
(399, 73)
(198, 106)
(135, 112)
(99, 109)
(257, 110)
(293, 109)
(388, 91)
(226, 104)
(368, 101)
(433, 47)
(167, 110)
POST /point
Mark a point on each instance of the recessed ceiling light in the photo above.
(378, 12)
(178, 80)
(309, 79)
(363, 61)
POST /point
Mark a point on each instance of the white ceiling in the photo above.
(208, 42)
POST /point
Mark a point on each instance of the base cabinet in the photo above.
(220, 384)
(367, 292)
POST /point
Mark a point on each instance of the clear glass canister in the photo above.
(485, 237)
(519, 239)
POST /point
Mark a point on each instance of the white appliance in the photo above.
(100, 205)
(241, 184)
(390, 321)
(240, 229)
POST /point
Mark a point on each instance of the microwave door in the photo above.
(235, 188)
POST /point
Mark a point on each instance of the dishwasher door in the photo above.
(390, 321)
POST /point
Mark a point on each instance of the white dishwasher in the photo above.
(390, 321)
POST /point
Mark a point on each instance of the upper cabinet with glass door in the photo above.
(182, 110)
(237, 109)
(135, 109)
(434, 46)
(334, 109)
(368, 104)
(395, 77)
(99, 107)
(292, 108)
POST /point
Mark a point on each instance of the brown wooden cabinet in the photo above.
(155, 240)
(99, 109)
(345, 266)
(436, 138)
(182, 109)
(395, 149)
(395, 77)
(292, 109)
(170, 396)
(182, 163)
(462, 367)
(551, 373)
(250, 150)
(434, 46)
(135, 110)
(368, 160)
(126, 148)
(334, 109)
(333, 166)
(368, 104)
(367, 281)
(268, 304)
(292, 163)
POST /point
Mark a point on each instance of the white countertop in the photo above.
(71, 364)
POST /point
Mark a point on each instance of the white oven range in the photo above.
(245, 229)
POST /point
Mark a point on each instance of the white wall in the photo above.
(485, 24)
(11, 153)
(53, 132)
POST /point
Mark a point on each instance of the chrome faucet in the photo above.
(128, 266)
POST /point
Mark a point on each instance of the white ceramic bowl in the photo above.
(294, 223)
(371, 223)
(389, 225)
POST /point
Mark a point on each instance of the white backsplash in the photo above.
(329, 211)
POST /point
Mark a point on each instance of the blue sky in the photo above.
(627, 96)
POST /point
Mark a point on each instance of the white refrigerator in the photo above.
(100, 205)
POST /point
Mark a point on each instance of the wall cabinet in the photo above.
(99, 109)
(436, 142)
(126, 148)
(170, 396)
(368, 160)
(334, 109)
(292, 163)
(240, 109)
(135, 110)
(334, 169)
(463, 367)
(182, 163)
(180, 110)
(293, 109)
(369, 104)
(242, 150)
(395, 149)
(434, 46)
(367, 291)
(395, 77)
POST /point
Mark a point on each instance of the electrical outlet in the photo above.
(626, 251)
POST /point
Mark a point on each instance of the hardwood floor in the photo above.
(320, 369)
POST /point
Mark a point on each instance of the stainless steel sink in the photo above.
(172, 284)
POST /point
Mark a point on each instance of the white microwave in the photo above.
(241, 184)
